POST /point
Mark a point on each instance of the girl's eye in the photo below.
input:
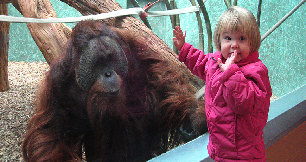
(227, 38)
(242, 38)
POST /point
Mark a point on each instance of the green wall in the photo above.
(282, 52)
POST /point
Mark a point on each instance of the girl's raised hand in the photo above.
(179, 38)
(229, 61)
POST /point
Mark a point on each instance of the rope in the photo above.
(122, 12)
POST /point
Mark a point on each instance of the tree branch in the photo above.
(227, 3)
(208, 25)
(259, 12)
(201, 36)
(145, 21)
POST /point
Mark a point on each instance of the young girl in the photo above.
(238, 91)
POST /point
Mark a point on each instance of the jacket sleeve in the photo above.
(246, 90)
(194, 59)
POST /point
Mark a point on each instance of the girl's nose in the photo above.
(234, 44)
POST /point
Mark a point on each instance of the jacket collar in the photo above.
(253, 57)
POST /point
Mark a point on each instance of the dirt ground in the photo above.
(16, 106)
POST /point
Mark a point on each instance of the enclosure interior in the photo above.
(282, 51)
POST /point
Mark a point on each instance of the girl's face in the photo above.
(231, 41)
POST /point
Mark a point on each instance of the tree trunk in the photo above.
(50, 38)
(4, 46)
(6, 1)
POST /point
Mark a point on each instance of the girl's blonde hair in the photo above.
(238, 19)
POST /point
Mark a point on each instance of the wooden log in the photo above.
(50, 38)
(4, 46)
(6, 1)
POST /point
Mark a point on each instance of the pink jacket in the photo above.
(236, 104)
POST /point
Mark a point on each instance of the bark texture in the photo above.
(4, 47)
(50, 38)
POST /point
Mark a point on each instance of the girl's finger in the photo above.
(235, 53)
(175, 32)
(219, 62)
(233, 57)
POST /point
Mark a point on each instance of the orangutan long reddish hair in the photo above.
(112, 95)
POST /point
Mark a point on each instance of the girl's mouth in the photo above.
(230, 54)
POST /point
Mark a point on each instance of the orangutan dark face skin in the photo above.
(102, 65)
